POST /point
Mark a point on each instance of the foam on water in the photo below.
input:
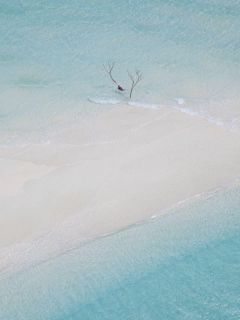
(104, 101)
(112, 101)
(181, 102)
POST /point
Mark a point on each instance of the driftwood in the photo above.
(109, 68)
(134, 81)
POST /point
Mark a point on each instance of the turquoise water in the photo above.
(52, 53)
(184, 265)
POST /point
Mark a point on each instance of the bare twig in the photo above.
(135, 80)
(109, 68)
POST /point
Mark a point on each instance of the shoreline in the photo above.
(134, 164)
(16, 262)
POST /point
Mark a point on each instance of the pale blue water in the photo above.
(52, 52)
(185, 265)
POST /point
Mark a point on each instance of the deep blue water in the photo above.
(185, 265)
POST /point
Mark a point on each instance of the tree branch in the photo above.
(134, 80)
(108, 69)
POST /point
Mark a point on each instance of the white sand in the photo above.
(14, 174)
(109, 172)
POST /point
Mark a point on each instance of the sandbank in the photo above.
(116, 169)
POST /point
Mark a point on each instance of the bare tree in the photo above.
(109, 68)
(135, 79)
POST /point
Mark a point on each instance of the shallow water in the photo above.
(184, 265)
(52, 53)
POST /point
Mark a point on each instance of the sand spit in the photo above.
(119, 168)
